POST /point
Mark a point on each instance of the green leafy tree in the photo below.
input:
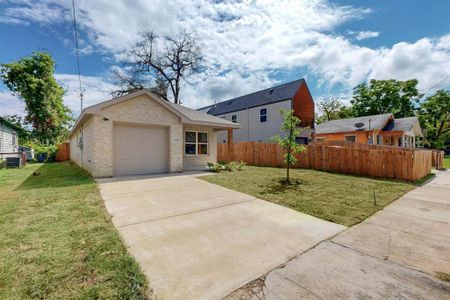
(434, 115)
(332, 109)
(290, 126)
(385, 96)
(32, 79)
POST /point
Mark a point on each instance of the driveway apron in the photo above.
(197, 240)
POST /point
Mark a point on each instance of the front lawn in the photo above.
(342, 199)
(447, 161)
(57, 241)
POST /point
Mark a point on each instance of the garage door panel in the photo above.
(140, 149)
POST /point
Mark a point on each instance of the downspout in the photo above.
(82, 147)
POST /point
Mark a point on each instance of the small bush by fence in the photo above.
(341, 157)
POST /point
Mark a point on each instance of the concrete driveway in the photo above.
(197, 240)
(396, 253)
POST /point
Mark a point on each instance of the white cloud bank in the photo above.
(245, 42)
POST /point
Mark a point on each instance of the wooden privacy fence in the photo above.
(341, 157)
(63, 152)
(438, 159)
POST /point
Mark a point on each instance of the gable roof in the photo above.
(274, 94)
(408, 124)
(348, 125)
(187, 115)
(9, 124)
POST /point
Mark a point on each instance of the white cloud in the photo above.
(363, 35)
(27, 11)
(95, 90)
(11, 104)
(245, 42)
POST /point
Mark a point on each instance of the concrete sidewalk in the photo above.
(197, 240)
(396, 253)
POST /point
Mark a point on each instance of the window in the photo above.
(263, 115)
(195, 143)
(350, 138)
(234, 118)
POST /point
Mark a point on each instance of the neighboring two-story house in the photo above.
(259, 112)
(9, 139)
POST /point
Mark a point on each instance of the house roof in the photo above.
(410, 124)
(187, 115)
(274, 94)
(9, 124)
(348, 125)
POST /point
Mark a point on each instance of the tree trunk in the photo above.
(287, 164)
(287, 173)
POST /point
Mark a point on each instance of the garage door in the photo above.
(140, 150)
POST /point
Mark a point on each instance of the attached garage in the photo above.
(140, 133)
(136, 152)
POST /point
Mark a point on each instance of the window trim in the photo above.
(263, 115)
(196, 143)
(356, 138)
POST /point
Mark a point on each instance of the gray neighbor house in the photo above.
(259, 112)
(9, 139)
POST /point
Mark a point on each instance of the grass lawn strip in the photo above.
(57, 241)
(341, 199)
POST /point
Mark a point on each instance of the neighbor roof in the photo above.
(348, 125)
(187, 115)
(408, 124)
(9, 124)
(274, 94)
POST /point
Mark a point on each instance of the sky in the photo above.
(247, 45)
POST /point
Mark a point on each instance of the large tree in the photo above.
(160, 63)
(434, 114)
(385, 96)
(32, 79)
(332, 109)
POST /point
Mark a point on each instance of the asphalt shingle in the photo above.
(271, 95)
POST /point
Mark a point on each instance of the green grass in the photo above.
(447, 161)
(57, 241)
(342, 199)
(443, 276)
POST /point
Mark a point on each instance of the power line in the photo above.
(432, 87)
(75, 30)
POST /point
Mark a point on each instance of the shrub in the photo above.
(2, 164)
(43, 153)
(223, 166)
(215, 167)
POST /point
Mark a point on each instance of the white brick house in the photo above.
(141, 133)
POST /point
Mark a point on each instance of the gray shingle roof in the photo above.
(348, 125)
(274, 94)
(409, 124)
(404, 124)
(189, 116)
(198, 116)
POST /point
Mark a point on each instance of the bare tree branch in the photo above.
(160, 63)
